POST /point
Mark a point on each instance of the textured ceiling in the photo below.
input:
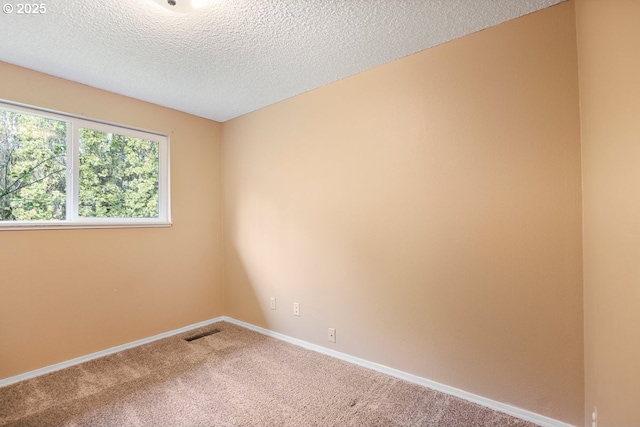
(234, 56)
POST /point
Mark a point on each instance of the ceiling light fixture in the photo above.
(183, 6)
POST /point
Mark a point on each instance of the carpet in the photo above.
(236, 377)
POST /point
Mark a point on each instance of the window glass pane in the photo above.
(32, 167)
(118, 176)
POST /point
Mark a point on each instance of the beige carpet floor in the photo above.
(236, 377)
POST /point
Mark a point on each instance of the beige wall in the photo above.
(609, 59)
(68, 293)
(429, 210)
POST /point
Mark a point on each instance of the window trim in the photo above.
(73, 221)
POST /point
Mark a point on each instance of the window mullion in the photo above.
(75, 170)
(69, 173)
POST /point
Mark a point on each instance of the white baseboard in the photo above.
(522, 414)
(82, 359)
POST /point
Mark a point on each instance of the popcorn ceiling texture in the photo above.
(235, 56)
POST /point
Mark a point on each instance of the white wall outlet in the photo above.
(332, 334)
(296, 309)
(272, 302)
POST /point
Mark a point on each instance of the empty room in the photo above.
(329, 213)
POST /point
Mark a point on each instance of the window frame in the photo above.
(73, 220)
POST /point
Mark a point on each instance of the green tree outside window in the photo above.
(118, 175)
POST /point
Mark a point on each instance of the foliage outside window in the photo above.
(63, 171)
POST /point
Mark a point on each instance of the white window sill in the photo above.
(66, 225)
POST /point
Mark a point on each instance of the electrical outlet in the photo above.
(296, 309)
(594, 417)
(332, 334)
(273, 303)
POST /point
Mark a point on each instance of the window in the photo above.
(58, 170)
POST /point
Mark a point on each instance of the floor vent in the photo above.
(202, 335)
